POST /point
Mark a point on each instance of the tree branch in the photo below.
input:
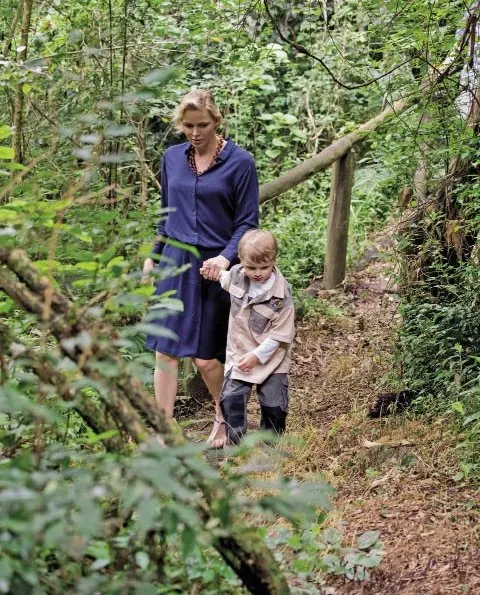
(340, 147)
(303, 50)
(135, 411)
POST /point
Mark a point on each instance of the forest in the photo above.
(363, 119)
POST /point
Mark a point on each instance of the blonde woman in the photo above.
(209, 184)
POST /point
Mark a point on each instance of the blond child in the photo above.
(260, 334)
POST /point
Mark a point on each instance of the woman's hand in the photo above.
(247, 362)
(148, 266)
(212, 267)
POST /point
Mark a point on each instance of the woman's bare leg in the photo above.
(212, 374)
(165, 381)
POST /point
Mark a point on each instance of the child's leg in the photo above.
(273, 397)
(233, 401)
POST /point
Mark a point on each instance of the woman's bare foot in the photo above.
(218, 435)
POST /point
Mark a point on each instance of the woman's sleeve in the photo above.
(158, 246)
(246, 212)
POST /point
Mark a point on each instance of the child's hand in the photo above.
(212, 267)
(204, 272)
(247, 362)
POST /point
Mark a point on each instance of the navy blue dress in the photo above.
(210, 211)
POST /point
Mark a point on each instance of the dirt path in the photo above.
(395, 474)
(392, 474)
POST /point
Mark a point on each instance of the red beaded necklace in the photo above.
(191, 157)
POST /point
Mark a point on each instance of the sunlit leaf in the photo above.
(7, 153)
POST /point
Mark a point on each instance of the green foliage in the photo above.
(299, 224)
(74, 521)
(100, 83)
(439, 345)
(313, 550)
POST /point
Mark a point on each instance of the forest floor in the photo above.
(393, 474)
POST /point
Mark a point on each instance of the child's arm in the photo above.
(224, 276)
(266, 349)
(225, 279)
(260, 355)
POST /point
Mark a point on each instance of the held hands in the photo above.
(212, 267)
(247, 362)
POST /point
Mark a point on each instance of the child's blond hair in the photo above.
(258, 246)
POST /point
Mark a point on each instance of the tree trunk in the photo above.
(19, 95)
(7, 45)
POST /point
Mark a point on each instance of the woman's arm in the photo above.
(158, 246)
(149, 263)
(246, 209)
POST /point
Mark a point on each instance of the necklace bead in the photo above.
(191, 157)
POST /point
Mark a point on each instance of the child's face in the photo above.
(258, 272)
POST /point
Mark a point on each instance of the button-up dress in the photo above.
(210, 211)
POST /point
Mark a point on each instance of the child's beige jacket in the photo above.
(253, 320)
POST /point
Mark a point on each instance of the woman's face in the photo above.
(199, 127)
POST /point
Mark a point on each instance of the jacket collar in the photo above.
(277, 290)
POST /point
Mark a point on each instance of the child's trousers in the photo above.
(273, 397)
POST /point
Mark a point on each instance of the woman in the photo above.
(210, 184)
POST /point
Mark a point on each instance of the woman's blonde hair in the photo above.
(258, 246)
(198, 99)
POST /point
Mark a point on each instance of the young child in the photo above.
(260, 334)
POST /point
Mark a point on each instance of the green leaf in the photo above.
(289, 119)
(160, 75)
(457, 407)
(332, 536)
(188, 541)
(146, 515)
(474, 417)
(87, 266)
(99, 550)
(145, 290)
(272, 153)
(7, 153)
(7, 215)
(187, 247)
(100, 563)
(5, 131)
(100, 437)
(156, 331)
(146, 589)
(142, 560)
(367, 539)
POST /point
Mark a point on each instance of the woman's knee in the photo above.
(205, 366)
(164, 361)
